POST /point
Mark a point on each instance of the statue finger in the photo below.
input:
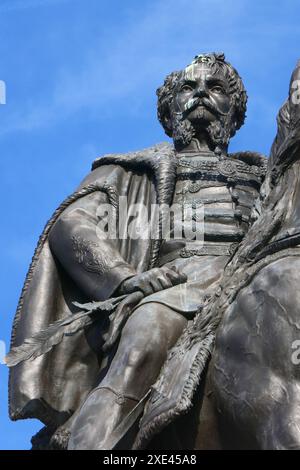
(164, 281)
(156, 286)
(146, 288)
(176, 276)
(173, 276)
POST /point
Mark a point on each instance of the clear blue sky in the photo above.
(81, 77)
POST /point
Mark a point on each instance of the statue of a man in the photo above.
(76, 389)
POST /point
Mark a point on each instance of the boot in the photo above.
(99, 416)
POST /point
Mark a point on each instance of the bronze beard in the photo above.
(219, 131)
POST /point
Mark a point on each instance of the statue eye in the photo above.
(217, 89)
(186, 88)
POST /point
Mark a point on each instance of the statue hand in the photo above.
(151, 281)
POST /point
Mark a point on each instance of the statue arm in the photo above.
(94, 264)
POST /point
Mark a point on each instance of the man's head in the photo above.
(206, 98)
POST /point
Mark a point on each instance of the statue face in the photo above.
(201, 107)
(201, 97)
(204, 103)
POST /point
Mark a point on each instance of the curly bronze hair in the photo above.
(217, 62)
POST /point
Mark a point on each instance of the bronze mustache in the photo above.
(195, 103)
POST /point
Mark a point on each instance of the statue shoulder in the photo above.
(159, 161)
(251, 158)
(137, 159)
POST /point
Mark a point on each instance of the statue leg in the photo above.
(146, 338)
(255, 368)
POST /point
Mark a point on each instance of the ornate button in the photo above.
(227, 168)
(194, 187)
(120, 400)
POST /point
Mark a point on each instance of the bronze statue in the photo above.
(124, 325)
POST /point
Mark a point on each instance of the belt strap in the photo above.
(225, 249)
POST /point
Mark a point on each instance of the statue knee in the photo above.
(145, 340)
(145, 355)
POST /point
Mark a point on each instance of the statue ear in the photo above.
(167, 123)
(167, 120)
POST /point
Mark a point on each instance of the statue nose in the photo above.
(201, 91)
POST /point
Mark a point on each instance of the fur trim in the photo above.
(160, 162)
(153, 427)
(60, 439)
(251, 158)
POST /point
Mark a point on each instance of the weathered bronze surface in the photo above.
(161, 341)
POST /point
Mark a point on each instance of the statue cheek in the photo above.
(223, 104)
(178, 104)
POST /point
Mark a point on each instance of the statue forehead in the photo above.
(194, 71)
